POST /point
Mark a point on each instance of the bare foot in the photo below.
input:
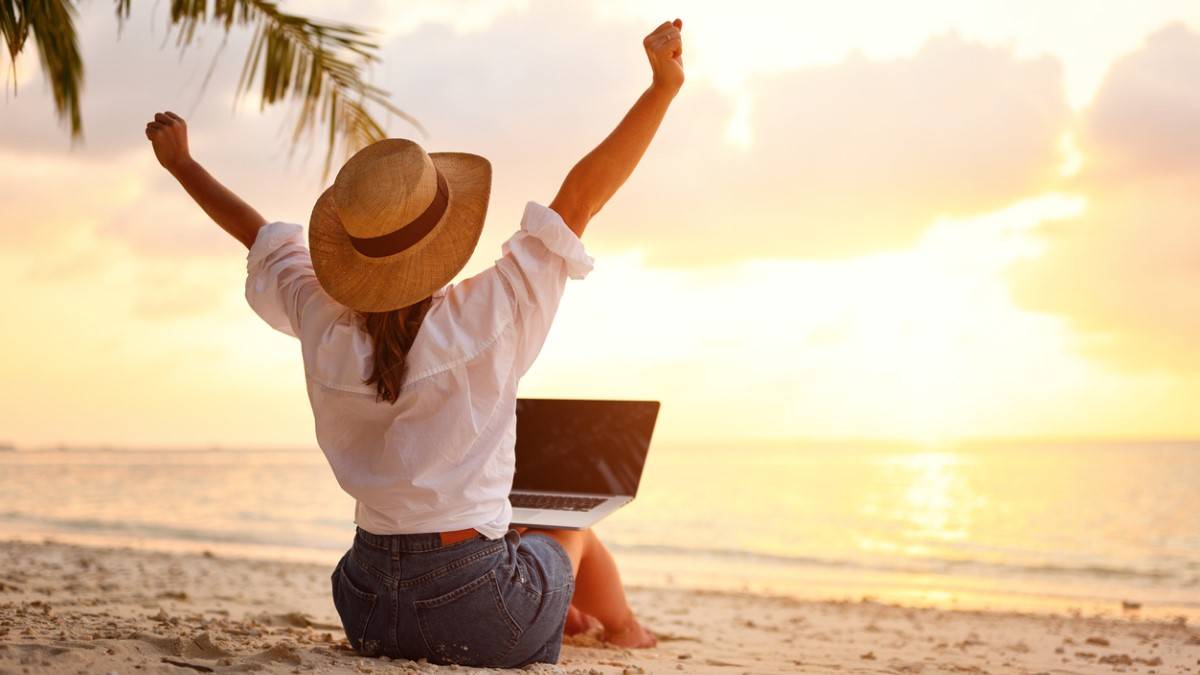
(631, 635)
(579, 622)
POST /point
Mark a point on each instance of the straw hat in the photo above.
(397, 224)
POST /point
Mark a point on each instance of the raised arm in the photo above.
(168, 135)
(590, 184)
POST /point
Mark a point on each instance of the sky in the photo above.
(926, 221)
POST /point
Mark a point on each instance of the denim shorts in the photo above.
(478, 602)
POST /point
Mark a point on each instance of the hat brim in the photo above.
(382, 284)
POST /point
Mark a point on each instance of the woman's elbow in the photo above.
(574, 213)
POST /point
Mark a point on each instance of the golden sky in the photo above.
(924, 220)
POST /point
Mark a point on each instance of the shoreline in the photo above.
(66, 608)
(810, 584)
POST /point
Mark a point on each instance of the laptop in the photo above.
(578, 460)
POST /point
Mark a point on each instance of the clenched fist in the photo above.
(168, 135)
(664, 48)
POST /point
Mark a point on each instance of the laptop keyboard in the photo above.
(555, 502)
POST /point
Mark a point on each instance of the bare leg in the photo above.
(579, 621)
(598, 589)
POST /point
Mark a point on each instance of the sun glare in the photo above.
(1072, 156)
(738, 132)
(899, 343)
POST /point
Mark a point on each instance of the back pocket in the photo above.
(355, 607)
(469, 626)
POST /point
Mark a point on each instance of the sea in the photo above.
(1107, 528)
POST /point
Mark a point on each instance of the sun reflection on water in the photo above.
(929, 501)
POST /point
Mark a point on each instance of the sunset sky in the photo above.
(925, 221)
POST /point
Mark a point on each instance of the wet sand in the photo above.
(73, 609)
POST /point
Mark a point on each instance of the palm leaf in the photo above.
(318, 64)
(52, 25)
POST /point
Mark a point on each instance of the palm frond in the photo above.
(319, 64)
(52, 25)
(14, 28)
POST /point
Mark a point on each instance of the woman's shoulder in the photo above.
(464, 324)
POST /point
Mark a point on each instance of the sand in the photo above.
(74, 609)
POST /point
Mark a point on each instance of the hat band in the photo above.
(407, 236)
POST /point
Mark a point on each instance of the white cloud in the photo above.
(1126, 272)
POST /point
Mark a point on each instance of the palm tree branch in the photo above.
(318, 63)
(14, 28)
(52, 25)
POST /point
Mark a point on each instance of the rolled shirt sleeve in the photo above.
(535, 265)
(279, 276)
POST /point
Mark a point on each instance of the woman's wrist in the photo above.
(183, 168)
(664, 90)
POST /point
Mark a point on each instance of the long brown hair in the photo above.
(392, 334)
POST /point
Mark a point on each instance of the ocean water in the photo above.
(1033, 526)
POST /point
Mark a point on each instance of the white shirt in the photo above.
(441, 457)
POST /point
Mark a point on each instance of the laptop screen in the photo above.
(567, 445)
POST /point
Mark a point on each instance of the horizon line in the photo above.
(874, 442)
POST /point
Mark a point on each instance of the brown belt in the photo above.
(459, 535)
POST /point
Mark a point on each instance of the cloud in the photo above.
(846, 159)
(852, 158)
(109, 186)
(553, 95)
(397, 18)
(1146, 118)
(1127, 273)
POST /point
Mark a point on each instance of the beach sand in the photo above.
(74, 609)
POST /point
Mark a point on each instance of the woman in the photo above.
(413, 383)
